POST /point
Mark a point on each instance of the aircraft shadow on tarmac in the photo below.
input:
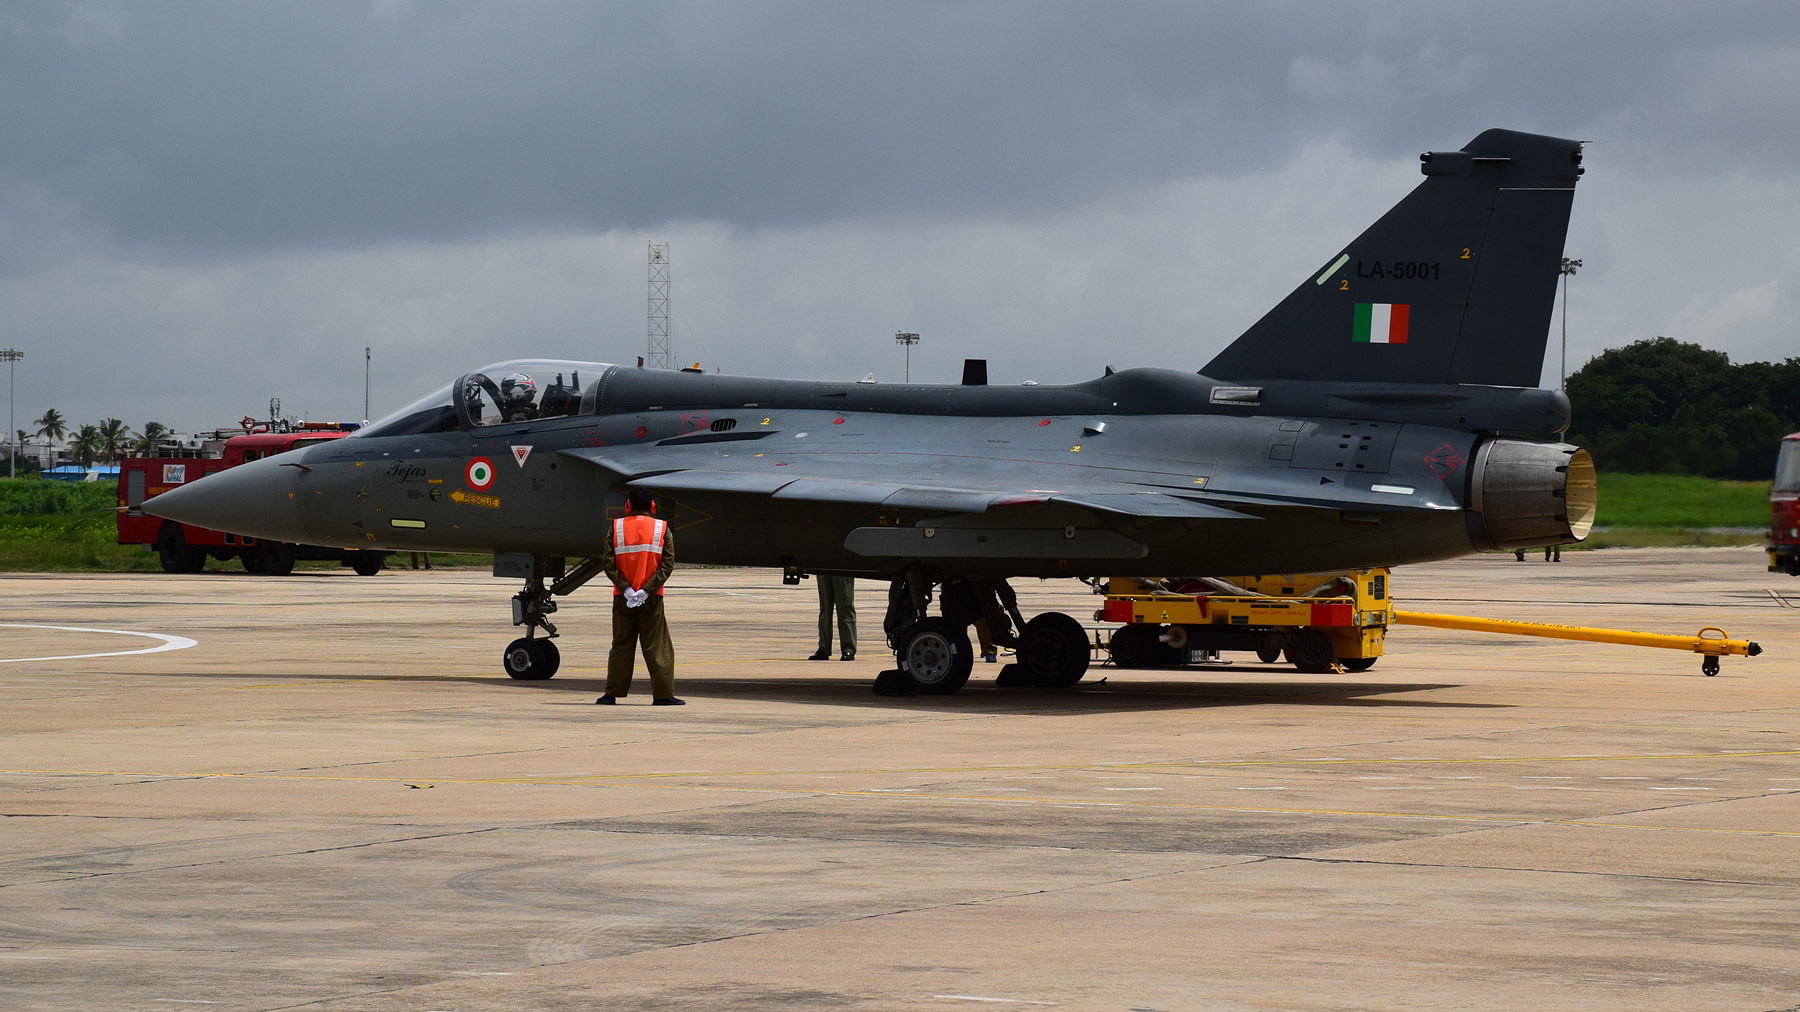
(1099, 694)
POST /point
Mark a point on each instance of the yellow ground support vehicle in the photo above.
(1319, 622)
(1313, 620)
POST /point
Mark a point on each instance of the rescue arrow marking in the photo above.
(487, 501)
(520, 453)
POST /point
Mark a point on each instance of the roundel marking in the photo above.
(480, 474)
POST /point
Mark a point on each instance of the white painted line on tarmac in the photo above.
(168, 642)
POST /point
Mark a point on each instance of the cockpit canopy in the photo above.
(520, 391)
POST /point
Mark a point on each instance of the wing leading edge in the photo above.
(970, 496)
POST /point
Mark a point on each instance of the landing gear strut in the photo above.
(934, 653)
(530, 658)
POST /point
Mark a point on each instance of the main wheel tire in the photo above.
(1054, 650)
(1312, 652)
(531, 660)
(1357, 663)
(367, 563)
(935, 653)
(173, 551)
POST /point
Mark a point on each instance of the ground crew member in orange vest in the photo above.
(640, 554)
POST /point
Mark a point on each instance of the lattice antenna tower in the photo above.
(660, 356)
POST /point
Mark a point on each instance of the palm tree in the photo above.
(53, 427)
(154, 432)
(114, 436)
(86, 445)
(20, 447)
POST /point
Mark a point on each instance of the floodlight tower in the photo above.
(11, 357)
(660, 355)
(907, 340)
(1568, 267)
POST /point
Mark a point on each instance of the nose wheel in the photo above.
(530, 660)
(533, 657)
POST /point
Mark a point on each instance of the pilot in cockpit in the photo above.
(518, 397)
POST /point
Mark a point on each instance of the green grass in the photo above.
(1670, 501)
(58, 526)
(51, 526)
(69, 527)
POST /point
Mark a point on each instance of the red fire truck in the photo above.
(182, 548)
(1784, 510)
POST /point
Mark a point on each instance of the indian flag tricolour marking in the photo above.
(1381, 323)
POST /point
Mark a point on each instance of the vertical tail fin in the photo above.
(1455, 284)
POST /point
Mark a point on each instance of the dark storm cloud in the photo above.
(202, 129)
(253, 193)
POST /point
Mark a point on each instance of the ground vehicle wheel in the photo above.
(1357, 663)
(1311, 651)
(1135, 646)
(936, 655)
(273, 558)
(1054, 650)
(173, 552)
(1268, 653)
(366, 563)
(530, 660)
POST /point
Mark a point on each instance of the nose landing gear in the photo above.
(531, 658)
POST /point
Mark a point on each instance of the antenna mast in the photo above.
(660, 356)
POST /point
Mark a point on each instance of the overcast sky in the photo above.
(206, 205)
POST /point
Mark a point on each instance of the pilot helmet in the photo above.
(517, 388)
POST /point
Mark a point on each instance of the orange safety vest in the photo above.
(638, 549)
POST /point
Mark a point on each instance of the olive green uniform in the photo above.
(837, 593)
(645, 625)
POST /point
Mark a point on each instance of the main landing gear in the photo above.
(935, 655)
(531, 657)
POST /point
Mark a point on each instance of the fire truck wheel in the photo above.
(1357, 663)
(531, 660)
(366, 563)
(273, 558)
(935, 654)
(1311, 651)
(173, 552)
(1054, 650)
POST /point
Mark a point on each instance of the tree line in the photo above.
(1663, 406)
(105, 441)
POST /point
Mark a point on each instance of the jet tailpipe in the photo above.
(1528, 495)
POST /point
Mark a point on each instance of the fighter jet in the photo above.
(1385, 412)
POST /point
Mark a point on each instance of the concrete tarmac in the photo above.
(334, 799)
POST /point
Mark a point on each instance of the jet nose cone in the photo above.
(255, 499)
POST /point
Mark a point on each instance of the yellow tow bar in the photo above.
(1710, 641)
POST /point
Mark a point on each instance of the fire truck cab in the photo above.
(1784, 509)
(184, 549)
